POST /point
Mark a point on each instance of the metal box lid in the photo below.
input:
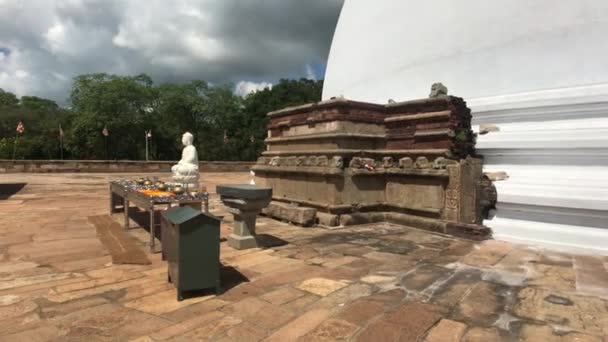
(179, 215)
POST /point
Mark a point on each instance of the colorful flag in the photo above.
(60, 131)
(20, 127)
(149, 134)
(105, 131)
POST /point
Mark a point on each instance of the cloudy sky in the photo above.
(249, 43)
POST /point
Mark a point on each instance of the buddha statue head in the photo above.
(187, 139)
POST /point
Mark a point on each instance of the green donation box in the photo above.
(191, 244)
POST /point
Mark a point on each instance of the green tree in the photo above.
(41, 118)
(123, 104)
(8, 99)
(284, 94)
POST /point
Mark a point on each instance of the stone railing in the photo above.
(114, 166)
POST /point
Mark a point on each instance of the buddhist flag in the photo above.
(252, 139)
(60, 131)
(105, 131)
(149, 134)
(20, 128)
(225, 137)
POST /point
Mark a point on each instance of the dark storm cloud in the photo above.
(251, 42)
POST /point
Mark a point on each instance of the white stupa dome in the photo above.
(537, 69)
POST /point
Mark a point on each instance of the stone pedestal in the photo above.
(244, 202)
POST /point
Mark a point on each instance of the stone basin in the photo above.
(244, 202)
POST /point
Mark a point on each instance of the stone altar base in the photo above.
(338, 163)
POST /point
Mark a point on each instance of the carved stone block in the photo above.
(262, 161)
(300, 161)
(406, 163)
(337, 162)
(387, 162)
(274, 161)
(368, 161)
(322, 161)
(291, 161)
(355, 163)
(440, 163)
(422, 163)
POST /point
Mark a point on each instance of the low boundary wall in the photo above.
(114, 166)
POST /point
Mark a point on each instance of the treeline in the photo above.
(225, 125)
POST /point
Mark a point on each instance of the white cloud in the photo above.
(219, 41)
(21, 74)
(310, 73)
(244, 88)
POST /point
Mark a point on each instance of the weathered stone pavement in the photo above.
(366, 283)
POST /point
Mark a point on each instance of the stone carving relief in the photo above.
(337, 162)
(422, 163)
(387, 162)
(406, 163)
(440, 163)
(438, 89)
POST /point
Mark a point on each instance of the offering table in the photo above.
(127, 192)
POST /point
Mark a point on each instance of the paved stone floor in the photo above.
(366, 283)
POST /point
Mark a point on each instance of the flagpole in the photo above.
(106, 140)
(15, 145)
(61, 141)
(146, 145)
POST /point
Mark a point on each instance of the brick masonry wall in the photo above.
(433, 123)
(112, 166)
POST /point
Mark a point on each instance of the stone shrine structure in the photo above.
(340, 162)
(186, 170)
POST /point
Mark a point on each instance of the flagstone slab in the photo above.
(282, 295)
(556, 277)
(211, 331)
(488, 253)
(423, 276)
(580, 313)
(246, 332)
(446, 331)
(108, 320)
(534, 332)
(17, 309)
(361, 311)
(321, 286)
(40, 333)
(482, 305)
(477, 334)
(37, 279)
(186, 326)
(331, 330)
(299, 326)
(163, 302)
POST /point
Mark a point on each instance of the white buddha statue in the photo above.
(186, 170)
